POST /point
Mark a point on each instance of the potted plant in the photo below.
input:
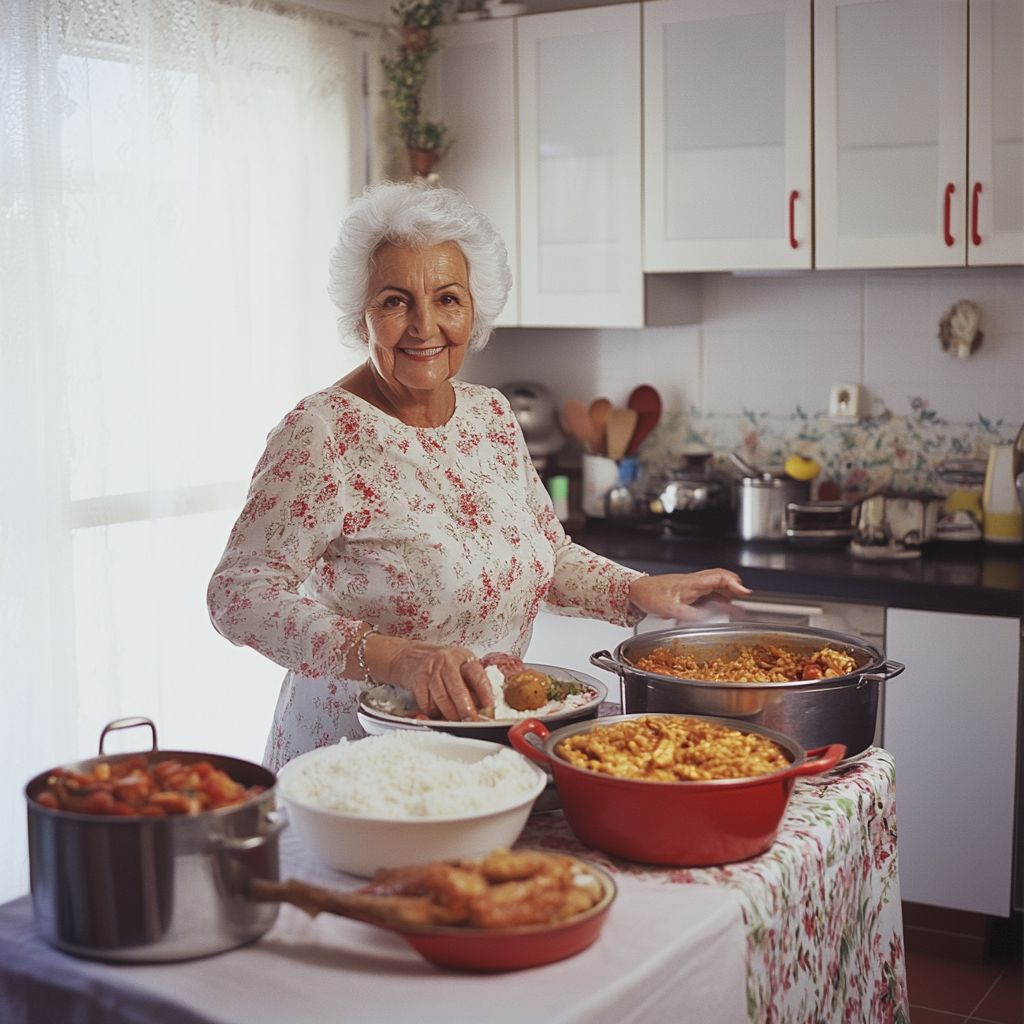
(407, 73)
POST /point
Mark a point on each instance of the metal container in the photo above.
(820, 525)
(763, 502)
(153, 889)
(903, 518)
(693, 496)
(679, 823)
(815, 713)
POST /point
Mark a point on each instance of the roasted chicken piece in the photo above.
(503, 889)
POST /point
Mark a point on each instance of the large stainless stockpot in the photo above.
(153, 889)
(815, 713)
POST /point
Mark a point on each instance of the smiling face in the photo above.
(419, 316)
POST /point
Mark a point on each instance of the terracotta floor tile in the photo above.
(1005, 1003)
(921, 1015)
(947, 985)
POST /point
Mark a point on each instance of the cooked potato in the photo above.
(527, 691)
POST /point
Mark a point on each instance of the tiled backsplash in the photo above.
(756, 372)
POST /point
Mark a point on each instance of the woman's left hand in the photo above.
(672, 596)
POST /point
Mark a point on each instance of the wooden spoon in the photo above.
(397, 911)
(647, 403)
(621, 428)
(600, 414)
(577, 419)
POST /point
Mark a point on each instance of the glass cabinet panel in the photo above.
(579, 90)
(472, 90)
(890, 101)
(727, 134)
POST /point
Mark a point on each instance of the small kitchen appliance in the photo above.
(1002, 523)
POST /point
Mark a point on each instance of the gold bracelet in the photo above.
(368, 679)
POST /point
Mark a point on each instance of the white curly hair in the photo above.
(410, 215)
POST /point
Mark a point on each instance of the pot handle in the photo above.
(274, 823)
(527, 727)
(890, 670)
(821, 759)
(126, 723)
(603, 659)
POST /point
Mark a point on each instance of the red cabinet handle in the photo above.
(793, 197)
(975, 237)
(947, 210)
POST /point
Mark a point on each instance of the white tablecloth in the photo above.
(652, 963)
(811, 930)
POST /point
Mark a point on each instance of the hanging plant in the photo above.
(407, 74)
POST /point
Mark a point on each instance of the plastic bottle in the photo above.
(558, 488)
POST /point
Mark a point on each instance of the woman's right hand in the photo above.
(446, 680)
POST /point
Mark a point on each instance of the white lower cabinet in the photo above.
(951, 725)
(568, 642)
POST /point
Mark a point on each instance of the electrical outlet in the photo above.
(845, 403)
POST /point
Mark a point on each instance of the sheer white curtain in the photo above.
(172, 175)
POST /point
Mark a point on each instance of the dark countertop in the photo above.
(978, 578)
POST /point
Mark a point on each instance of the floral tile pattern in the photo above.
(822, 906)
(886, 450)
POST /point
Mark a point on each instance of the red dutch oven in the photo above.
(682, 824)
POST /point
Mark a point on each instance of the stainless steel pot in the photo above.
(763, 502)
(815, 713)
(693, 496)
(153, 889)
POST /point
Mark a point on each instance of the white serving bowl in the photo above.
(360, 844)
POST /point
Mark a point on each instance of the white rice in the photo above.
(403, 774)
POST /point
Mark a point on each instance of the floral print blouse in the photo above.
(441, 534)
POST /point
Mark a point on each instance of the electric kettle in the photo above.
(999, 497)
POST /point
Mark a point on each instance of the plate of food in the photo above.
(505, 911)
(546, 692)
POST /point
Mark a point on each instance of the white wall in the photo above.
(772, 344)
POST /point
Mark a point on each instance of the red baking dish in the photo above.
(682, 824)
(511, 949)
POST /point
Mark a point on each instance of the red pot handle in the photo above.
(517, 737)
(821, 759)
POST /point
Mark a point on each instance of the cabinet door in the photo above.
(579, 169)
(472, 90)
(727, 134)
(951, 725)
(996, 137)
(890, 99)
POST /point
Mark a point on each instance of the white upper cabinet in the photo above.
(580, 168)
(472, 90)
(727, 134)
(996, 133)
(890, 132)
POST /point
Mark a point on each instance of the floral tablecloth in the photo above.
(822, 906)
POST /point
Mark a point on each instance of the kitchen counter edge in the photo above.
(978, 578)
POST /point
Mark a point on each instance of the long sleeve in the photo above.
(292, 513)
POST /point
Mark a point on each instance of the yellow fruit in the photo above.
(802, 469)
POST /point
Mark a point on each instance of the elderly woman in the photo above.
(396, 530)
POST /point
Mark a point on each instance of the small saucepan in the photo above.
(683, 824)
